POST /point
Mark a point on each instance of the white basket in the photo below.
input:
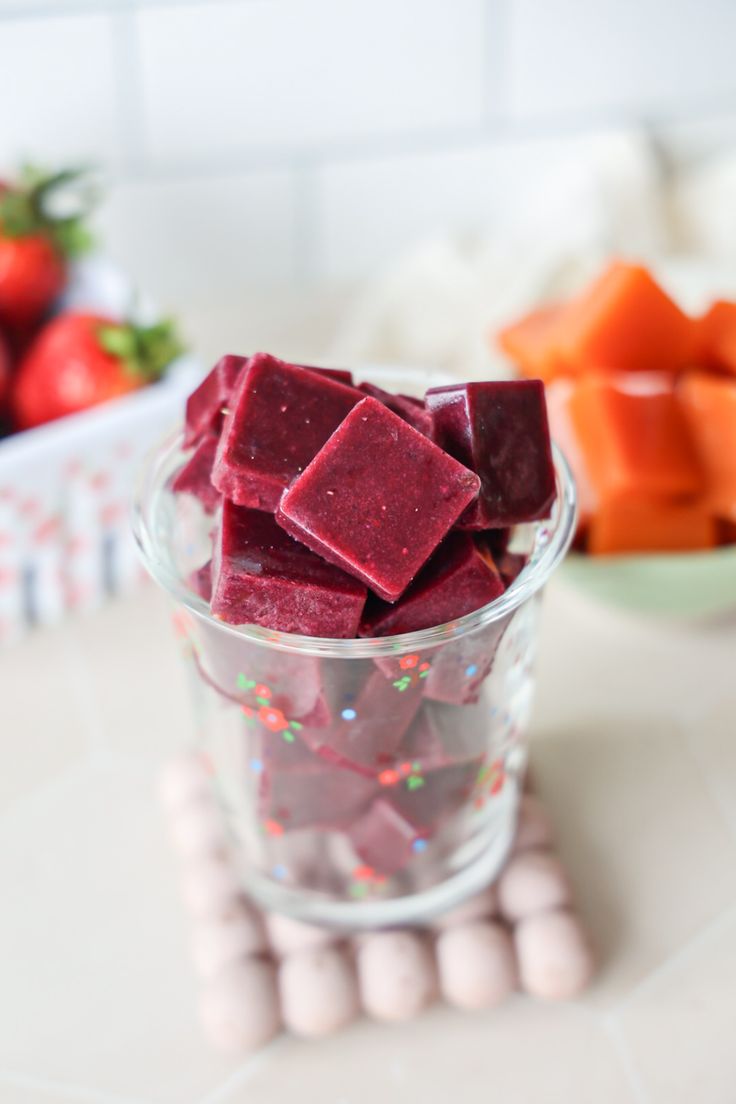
(65, 541)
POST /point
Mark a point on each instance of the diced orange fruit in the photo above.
(532, 343)
(634, 438)
(558, 395)
(625, 322)
(717, 337)
(709, 405)
(635, 525)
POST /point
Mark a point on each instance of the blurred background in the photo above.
(260, 144)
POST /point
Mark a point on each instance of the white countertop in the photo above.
(635, 753)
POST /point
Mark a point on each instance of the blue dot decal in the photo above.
(471, 670)
(256, 765)
(419, 845)
(348, 714)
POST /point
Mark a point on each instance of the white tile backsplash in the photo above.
(265, 75)
(266, 140)
(202, 239)
(57, 88)
(636, 56)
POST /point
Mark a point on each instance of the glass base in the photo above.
(482, 859)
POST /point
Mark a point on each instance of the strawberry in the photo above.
(4, 370)
(37, 241)
(80, 360)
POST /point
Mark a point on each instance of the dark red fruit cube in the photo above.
(458, 579)
(500, 431)
(341, 375)
(377, 499)
(366, 734)
(411, 410)
(280, 417)
(204, 413)
(201, 581)
(312, 795)
(384, 839)
(263, 577)
(194, 477)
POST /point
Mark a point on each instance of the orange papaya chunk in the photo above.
(634, 437)
(717, 337)
(625, 322)
(633, 525)
(709, 405)
(559, 394)
(532, 343)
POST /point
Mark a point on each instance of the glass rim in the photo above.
(552, 538)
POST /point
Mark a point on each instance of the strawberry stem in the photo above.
(145, 351)
(52, 204)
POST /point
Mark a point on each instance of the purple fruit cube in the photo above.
(500, 431)
(411, 410)
(427, 798)
(263, 577)
(368, 731)
(204, 412)
(458, 579)
(377, 499)
(511, 565)
(317, 794)
(459, 667)
(341, 375)
(384, 839)
(201, 581)
(280, 417)
(194, 477)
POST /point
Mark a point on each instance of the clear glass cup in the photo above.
(367, 782)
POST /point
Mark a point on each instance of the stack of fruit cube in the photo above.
(344, 511)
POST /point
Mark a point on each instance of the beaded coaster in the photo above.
(262, 973)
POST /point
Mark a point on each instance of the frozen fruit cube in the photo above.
(499, 430)
(263, 577)
(458, 579)
(411, 410)
(377, 499)
(204, 412)
(384, 839)
(194, 477)
(459, 667)
(368, 730)
(313, 795)
(201, 581)
(280, 416)
(341, 375)
(427, 798)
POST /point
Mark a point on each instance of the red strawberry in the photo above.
(80, 360)
(36, 243)
(4, 370)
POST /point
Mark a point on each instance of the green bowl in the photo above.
(692, 584)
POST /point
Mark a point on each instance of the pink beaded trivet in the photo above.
(263, 972)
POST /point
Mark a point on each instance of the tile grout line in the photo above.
(128, 87)
(244, 1073)
(76, 1093)
(701, 937)
(626, 1060)
(719, 806)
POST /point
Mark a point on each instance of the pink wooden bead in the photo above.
(478, 907)
(237, 931)
(534, 827)
(209, 885)
(239, 1008)
(476, 965)
(319, 991)
(287, 935)
(183, 779)
(197, 829)
(554, 956)
(534, 881)
(397, 975)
